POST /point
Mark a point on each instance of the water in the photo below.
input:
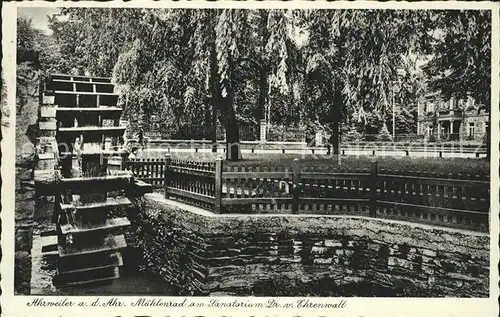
(131, 281)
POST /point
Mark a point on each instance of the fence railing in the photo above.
(465, 138)
(286, 134)
(248, 132)
(460, 201)
(150, 170)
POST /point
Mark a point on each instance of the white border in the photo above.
(15, 305)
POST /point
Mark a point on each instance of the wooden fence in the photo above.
(434, 199)
(151, 170)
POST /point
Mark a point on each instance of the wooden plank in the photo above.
(71, 77)
(97, 152)
(115, 275)
(325, 200)
(110, 243)
(257, 175)
(118, 263)
(256, 200)
(82, 181)
(85, 93)
(142, 187)
(85, 263)
(112, 223)
(441, 216)
(91, 129)
(84, 184)
(440, 210)
(81, 82)
(339, 176)
(74, 132)
(437, 181)
(48, 233)
(108, 112)
(187, 194)
(190, 171)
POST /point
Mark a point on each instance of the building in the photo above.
(451, 120)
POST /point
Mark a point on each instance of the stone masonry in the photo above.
(207, 254)
(27, 107)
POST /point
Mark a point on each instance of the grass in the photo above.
(403, 165)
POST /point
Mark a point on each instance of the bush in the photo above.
(384, 134)
(352, 135)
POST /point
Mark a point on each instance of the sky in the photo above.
(38, 17)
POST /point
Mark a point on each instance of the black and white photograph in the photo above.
(243, 153)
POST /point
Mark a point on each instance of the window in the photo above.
(429, 130)
(429, 107)
(471, 129)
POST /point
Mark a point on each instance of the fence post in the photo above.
(218, 185)
(124, 158)
(295, 185)
(167, 167)
(373, 189)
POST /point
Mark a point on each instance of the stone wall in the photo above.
(27, 108)
(290, 255)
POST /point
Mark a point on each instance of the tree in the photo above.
(461, 49)
(353, 57)
(26, 34)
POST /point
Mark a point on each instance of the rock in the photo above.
(428, 253)
(322, 261)
(333, 243)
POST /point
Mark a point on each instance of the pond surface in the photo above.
(131, 281)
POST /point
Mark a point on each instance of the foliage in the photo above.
(384, 134)
(328, 69)
(26, 34)
(461, 65)
(352, 134)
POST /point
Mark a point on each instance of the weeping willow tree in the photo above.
(197, 67)
(150, 72)
(461, 63)
(353, 56)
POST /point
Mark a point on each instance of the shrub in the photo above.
(352, 135)
(384, 134)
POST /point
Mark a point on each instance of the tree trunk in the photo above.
(233, 150)
(214, 92)
(260, 112)
(334, 141)
(263, 88)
